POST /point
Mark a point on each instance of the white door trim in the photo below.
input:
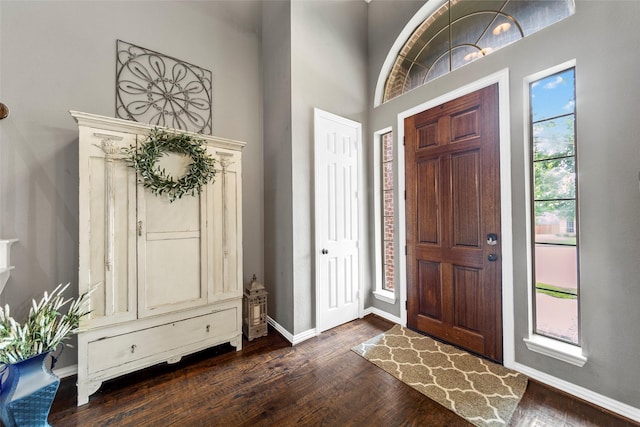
(321, 114)
(502, 78)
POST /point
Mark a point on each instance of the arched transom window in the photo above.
(461, 31)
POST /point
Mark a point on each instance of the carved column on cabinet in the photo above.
(111, 151)
(225, 162)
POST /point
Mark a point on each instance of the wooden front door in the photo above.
(453, 222)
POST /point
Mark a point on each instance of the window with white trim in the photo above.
(554, 206)
(385, 216)
(388, 212)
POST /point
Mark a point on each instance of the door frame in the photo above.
(317, 114)
(506, 226)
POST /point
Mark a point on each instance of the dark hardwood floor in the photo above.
(269, 383)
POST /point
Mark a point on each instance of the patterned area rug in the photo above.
(482, 392)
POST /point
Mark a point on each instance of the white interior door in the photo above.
(337, 148)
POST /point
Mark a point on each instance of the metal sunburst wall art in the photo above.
(160, 90)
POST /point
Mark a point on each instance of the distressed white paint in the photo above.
(168, 275)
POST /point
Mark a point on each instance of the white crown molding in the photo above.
(120, 125)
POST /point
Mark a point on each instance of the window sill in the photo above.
(556, 349)
(386, 296)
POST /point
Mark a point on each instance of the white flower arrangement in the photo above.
(45, 328)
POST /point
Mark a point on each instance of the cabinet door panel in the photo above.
(172, 249)
(174, 274)
(161, 216)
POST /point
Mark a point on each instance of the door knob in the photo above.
(492, 257)
(324, 252)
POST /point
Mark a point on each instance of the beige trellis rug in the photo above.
(482, 392)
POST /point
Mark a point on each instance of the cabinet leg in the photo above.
(237, 342)
(173, 360)
(86, 389)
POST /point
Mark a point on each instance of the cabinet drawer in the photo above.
(121, 349)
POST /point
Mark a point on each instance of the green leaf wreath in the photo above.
(144, 159)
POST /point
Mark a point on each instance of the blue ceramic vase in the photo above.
(28, 390)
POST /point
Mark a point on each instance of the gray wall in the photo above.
(603, 38)
(315, 53)
(386, 20)
(278, 207)
(58, 56)
(329, 71)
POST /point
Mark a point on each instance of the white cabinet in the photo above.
(168, 275)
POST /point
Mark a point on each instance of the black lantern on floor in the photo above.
(254, 323)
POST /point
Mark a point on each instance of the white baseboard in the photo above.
(293, 339)
(383, 314)
(605, 402)
(298, 338)
(66, 371)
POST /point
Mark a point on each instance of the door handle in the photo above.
(324, 252)
(492, 257)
